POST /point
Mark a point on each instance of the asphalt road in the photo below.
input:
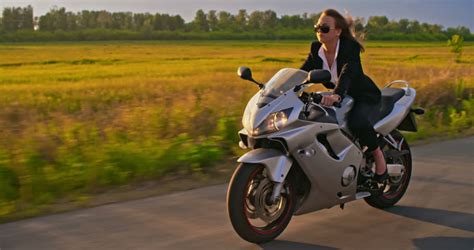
(437, 212)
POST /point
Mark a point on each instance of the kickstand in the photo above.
(342, 206)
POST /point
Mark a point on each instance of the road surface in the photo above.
(437, 212)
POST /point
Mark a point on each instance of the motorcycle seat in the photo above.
(389, 97)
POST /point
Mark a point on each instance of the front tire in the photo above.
(253, 219)
(396, 187)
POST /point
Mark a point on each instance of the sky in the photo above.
(449, 13)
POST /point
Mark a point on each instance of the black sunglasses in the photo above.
(322, 28)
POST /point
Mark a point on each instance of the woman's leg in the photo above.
(380, 165)
(362, 128)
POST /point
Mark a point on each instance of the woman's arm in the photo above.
(351, 71)
(309, 65)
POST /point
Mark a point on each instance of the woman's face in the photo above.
(332, 35)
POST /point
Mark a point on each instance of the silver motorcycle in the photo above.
(304, 158)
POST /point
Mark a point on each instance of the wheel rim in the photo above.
(262, 217)
(396, 185)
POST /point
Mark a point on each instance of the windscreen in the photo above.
(280, 83)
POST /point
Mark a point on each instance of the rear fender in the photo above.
(408, 124)
(400, 110)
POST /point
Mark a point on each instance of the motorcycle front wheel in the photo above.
(251, 215)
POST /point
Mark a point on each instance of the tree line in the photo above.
(19, 23)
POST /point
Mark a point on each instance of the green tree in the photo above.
(8, 23)
(212, 20)
(167, 22)
(460, 30)
(27, 18)
(176, 23)
(436, 29)
(138, 20)
(255, 20)
(104, 20)
(292, 22)
(160, 22)
(376, 24)
(17, 18)
(403, 25)
(119, 20)
(128, 24)
(71, 21)
(225, 20)
(241, 20)
(414, 27)
(143, 24)
(392, 26)
(269, 20)
(200, 21)
(85, 20)
(55, 19)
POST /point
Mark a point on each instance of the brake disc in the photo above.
(267, 212)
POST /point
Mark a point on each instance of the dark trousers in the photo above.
(361, 123)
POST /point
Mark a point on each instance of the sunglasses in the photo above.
(322, 28)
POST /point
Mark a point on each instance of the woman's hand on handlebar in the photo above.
(329, 100)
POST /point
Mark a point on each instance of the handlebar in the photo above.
(318, 97)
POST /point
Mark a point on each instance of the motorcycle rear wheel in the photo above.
(396, 187)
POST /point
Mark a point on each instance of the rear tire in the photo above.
(395, 188)
(243, 199)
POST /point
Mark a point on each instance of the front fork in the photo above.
(277, 165)
(276, 194)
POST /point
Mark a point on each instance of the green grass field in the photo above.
(80, 117)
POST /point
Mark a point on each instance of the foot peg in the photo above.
(361, 195)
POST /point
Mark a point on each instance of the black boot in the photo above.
(381, 178)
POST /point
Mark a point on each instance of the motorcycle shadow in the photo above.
(458, 220)
(283, 244)
(433, 243)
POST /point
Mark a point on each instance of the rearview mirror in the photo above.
(319, 76)
(245, 73)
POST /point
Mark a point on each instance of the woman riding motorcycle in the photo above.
(338, 51)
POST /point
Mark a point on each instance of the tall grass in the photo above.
(128, 35)
(76, 118)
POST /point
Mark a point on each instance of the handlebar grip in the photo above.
(318, 97)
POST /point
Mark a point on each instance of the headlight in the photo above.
(274, 122)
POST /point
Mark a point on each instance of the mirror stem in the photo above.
(259, 84)
(298, 87)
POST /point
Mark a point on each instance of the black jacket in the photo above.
(352, 80)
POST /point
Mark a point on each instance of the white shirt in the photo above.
(333, 68)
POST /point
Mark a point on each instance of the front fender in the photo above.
(277, 164)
